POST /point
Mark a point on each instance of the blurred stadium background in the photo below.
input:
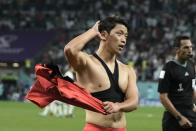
(36, 31)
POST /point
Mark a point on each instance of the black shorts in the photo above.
(169, 123)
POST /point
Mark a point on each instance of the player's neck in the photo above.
(106, 55)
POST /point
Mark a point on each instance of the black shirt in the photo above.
(178, 81)
(114, 93)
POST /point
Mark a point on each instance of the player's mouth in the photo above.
(121, 46)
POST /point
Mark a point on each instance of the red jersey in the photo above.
(50, 86)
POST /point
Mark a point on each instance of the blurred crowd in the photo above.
(153, 26)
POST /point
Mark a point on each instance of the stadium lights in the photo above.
(16, 65)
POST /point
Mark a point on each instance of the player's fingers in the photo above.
(106, 103)
(187, 125)
(106, 107)
(110, 111)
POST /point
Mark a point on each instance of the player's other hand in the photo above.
(111, 107)
(185, 123)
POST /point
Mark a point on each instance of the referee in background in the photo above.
(177, 89)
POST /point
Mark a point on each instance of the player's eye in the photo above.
(119, 33)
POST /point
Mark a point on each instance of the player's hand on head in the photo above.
(185, 123)
(111, 107)
(96, 29)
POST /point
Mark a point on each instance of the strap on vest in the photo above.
(113, 77)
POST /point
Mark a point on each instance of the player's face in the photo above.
(185, 50)
(117, 38)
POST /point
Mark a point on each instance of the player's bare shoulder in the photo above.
(126, 70)
(124, 67)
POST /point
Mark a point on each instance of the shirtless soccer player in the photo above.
(105, 77)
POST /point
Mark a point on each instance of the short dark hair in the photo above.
(110, 22)
(177, 40)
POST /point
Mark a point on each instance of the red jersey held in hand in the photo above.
(50, 86)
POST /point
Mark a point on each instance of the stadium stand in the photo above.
(153, 25)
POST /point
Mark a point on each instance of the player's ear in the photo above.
(176, 49)
(104, 35)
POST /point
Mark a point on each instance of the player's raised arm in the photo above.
(72, 50)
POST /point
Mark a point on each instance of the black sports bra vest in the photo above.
(113, 94)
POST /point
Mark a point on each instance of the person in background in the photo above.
(53, 108)
(177, 88)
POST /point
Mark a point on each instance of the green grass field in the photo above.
(18, 116)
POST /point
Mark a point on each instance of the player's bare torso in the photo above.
(94, 78)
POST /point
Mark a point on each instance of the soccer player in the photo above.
(105, 77)
(177, 88)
